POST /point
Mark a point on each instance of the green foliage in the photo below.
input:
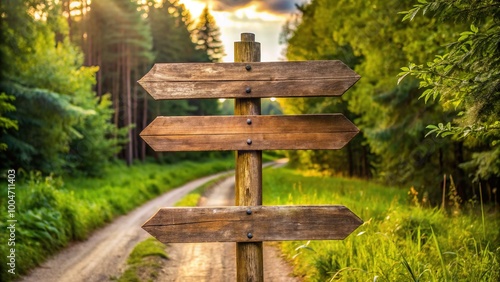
(41, 64)
(100, 140)
(55, 213)
(62, 127)
(5, 122)
(370, 37)
(465, 79)
(46, 126)
(397, 242)
(146, 248)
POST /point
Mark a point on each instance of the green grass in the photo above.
(145, 261)
(52, 212)
(397, 242)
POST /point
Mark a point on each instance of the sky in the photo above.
(263, 18)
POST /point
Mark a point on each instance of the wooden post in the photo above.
(249, 256)
(247, 80)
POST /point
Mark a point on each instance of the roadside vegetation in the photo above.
(402, 238)
(56, 212)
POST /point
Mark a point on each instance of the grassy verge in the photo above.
(51, 213)
(145, 261)
(397, 242)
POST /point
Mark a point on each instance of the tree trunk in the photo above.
(144, 124)
(127, 103)
(350, 159)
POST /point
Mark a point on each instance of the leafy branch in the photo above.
(466, 78)
(476, 130)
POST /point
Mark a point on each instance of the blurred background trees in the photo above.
(69, 98)
(372, 38)
(69, 101)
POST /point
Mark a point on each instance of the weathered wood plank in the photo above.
(229, 133)
(231, 80)
(187, 143)
(264, 223)
(205, 125)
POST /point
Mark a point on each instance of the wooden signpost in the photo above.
(247, 80)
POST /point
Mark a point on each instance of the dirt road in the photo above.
(102, 257)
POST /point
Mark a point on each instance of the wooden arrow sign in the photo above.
(248, 80)
(227, 133)
(247, 224)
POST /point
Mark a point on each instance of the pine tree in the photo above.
(207, 36)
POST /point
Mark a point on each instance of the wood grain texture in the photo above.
(265, 223)
(248, 178)
(228, 133)
(231, 80)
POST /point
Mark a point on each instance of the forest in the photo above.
(70, 102)
(427, 106)
(428, 102)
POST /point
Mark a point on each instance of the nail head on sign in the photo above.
(249, 141)
(250, 235)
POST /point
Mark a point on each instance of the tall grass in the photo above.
(397, 242)
(53, 212)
